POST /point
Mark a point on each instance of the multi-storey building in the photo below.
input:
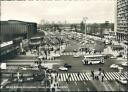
(12, 29)
(12, 34)
(122, 20)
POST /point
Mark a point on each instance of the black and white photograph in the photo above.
(63, 45)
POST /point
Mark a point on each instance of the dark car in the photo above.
(67, 66)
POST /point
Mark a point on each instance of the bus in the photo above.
(93, 59)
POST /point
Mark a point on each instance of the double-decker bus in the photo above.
(93, 59)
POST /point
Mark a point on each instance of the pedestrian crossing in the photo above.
(87, 76)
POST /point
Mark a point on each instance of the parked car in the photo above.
(63, 68)
(122, 80)
(67, 65)
(114, 66)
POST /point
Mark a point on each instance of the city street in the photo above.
(82, 82)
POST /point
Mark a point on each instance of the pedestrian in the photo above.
(78, 74)
(69, 76)
(102, 78)
(67, 80)
(59, 77)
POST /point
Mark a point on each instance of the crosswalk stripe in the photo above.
(107, 77)
(80, 77)
(113, 76)
(126, 76)
(123, 75)
(117, 73)
(64, 77)
(110, 75)
(61, 77)
(85, 76)
(74, 76)
(88, 76)
(70, 79)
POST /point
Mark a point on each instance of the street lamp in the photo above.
(85, 20)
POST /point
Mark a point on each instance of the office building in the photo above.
(122, 20)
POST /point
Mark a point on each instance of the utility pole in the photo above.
(85, 20)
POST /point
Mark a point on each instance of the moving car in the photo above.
(56, 55)
(63, 68)
(114, 66)
(74, 50)
(67, 65)
(122, 80)
(124, 64)
(113, 57)
(76, 55)
(23, 68)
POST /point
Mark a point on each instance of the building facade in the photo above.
(13, 29)
(13, 33)
(122, 20)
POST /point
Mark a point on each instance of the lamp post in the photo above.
(85, 20)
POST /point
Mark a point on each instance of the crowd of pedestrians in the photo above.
(97, 75)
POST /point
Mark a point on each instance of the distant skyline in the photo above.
(97, 11)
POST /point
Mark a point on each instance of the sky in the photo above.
(96, 11)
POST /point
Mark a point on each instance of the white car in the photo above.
(120, 68)
(23, 68)
(76, 55)
(63, 68)
(56, 55)
(122, 80)
(114, 66)
(113, 57)
(124, 64)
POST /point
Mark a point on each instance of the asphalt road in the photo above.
(77, 66)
